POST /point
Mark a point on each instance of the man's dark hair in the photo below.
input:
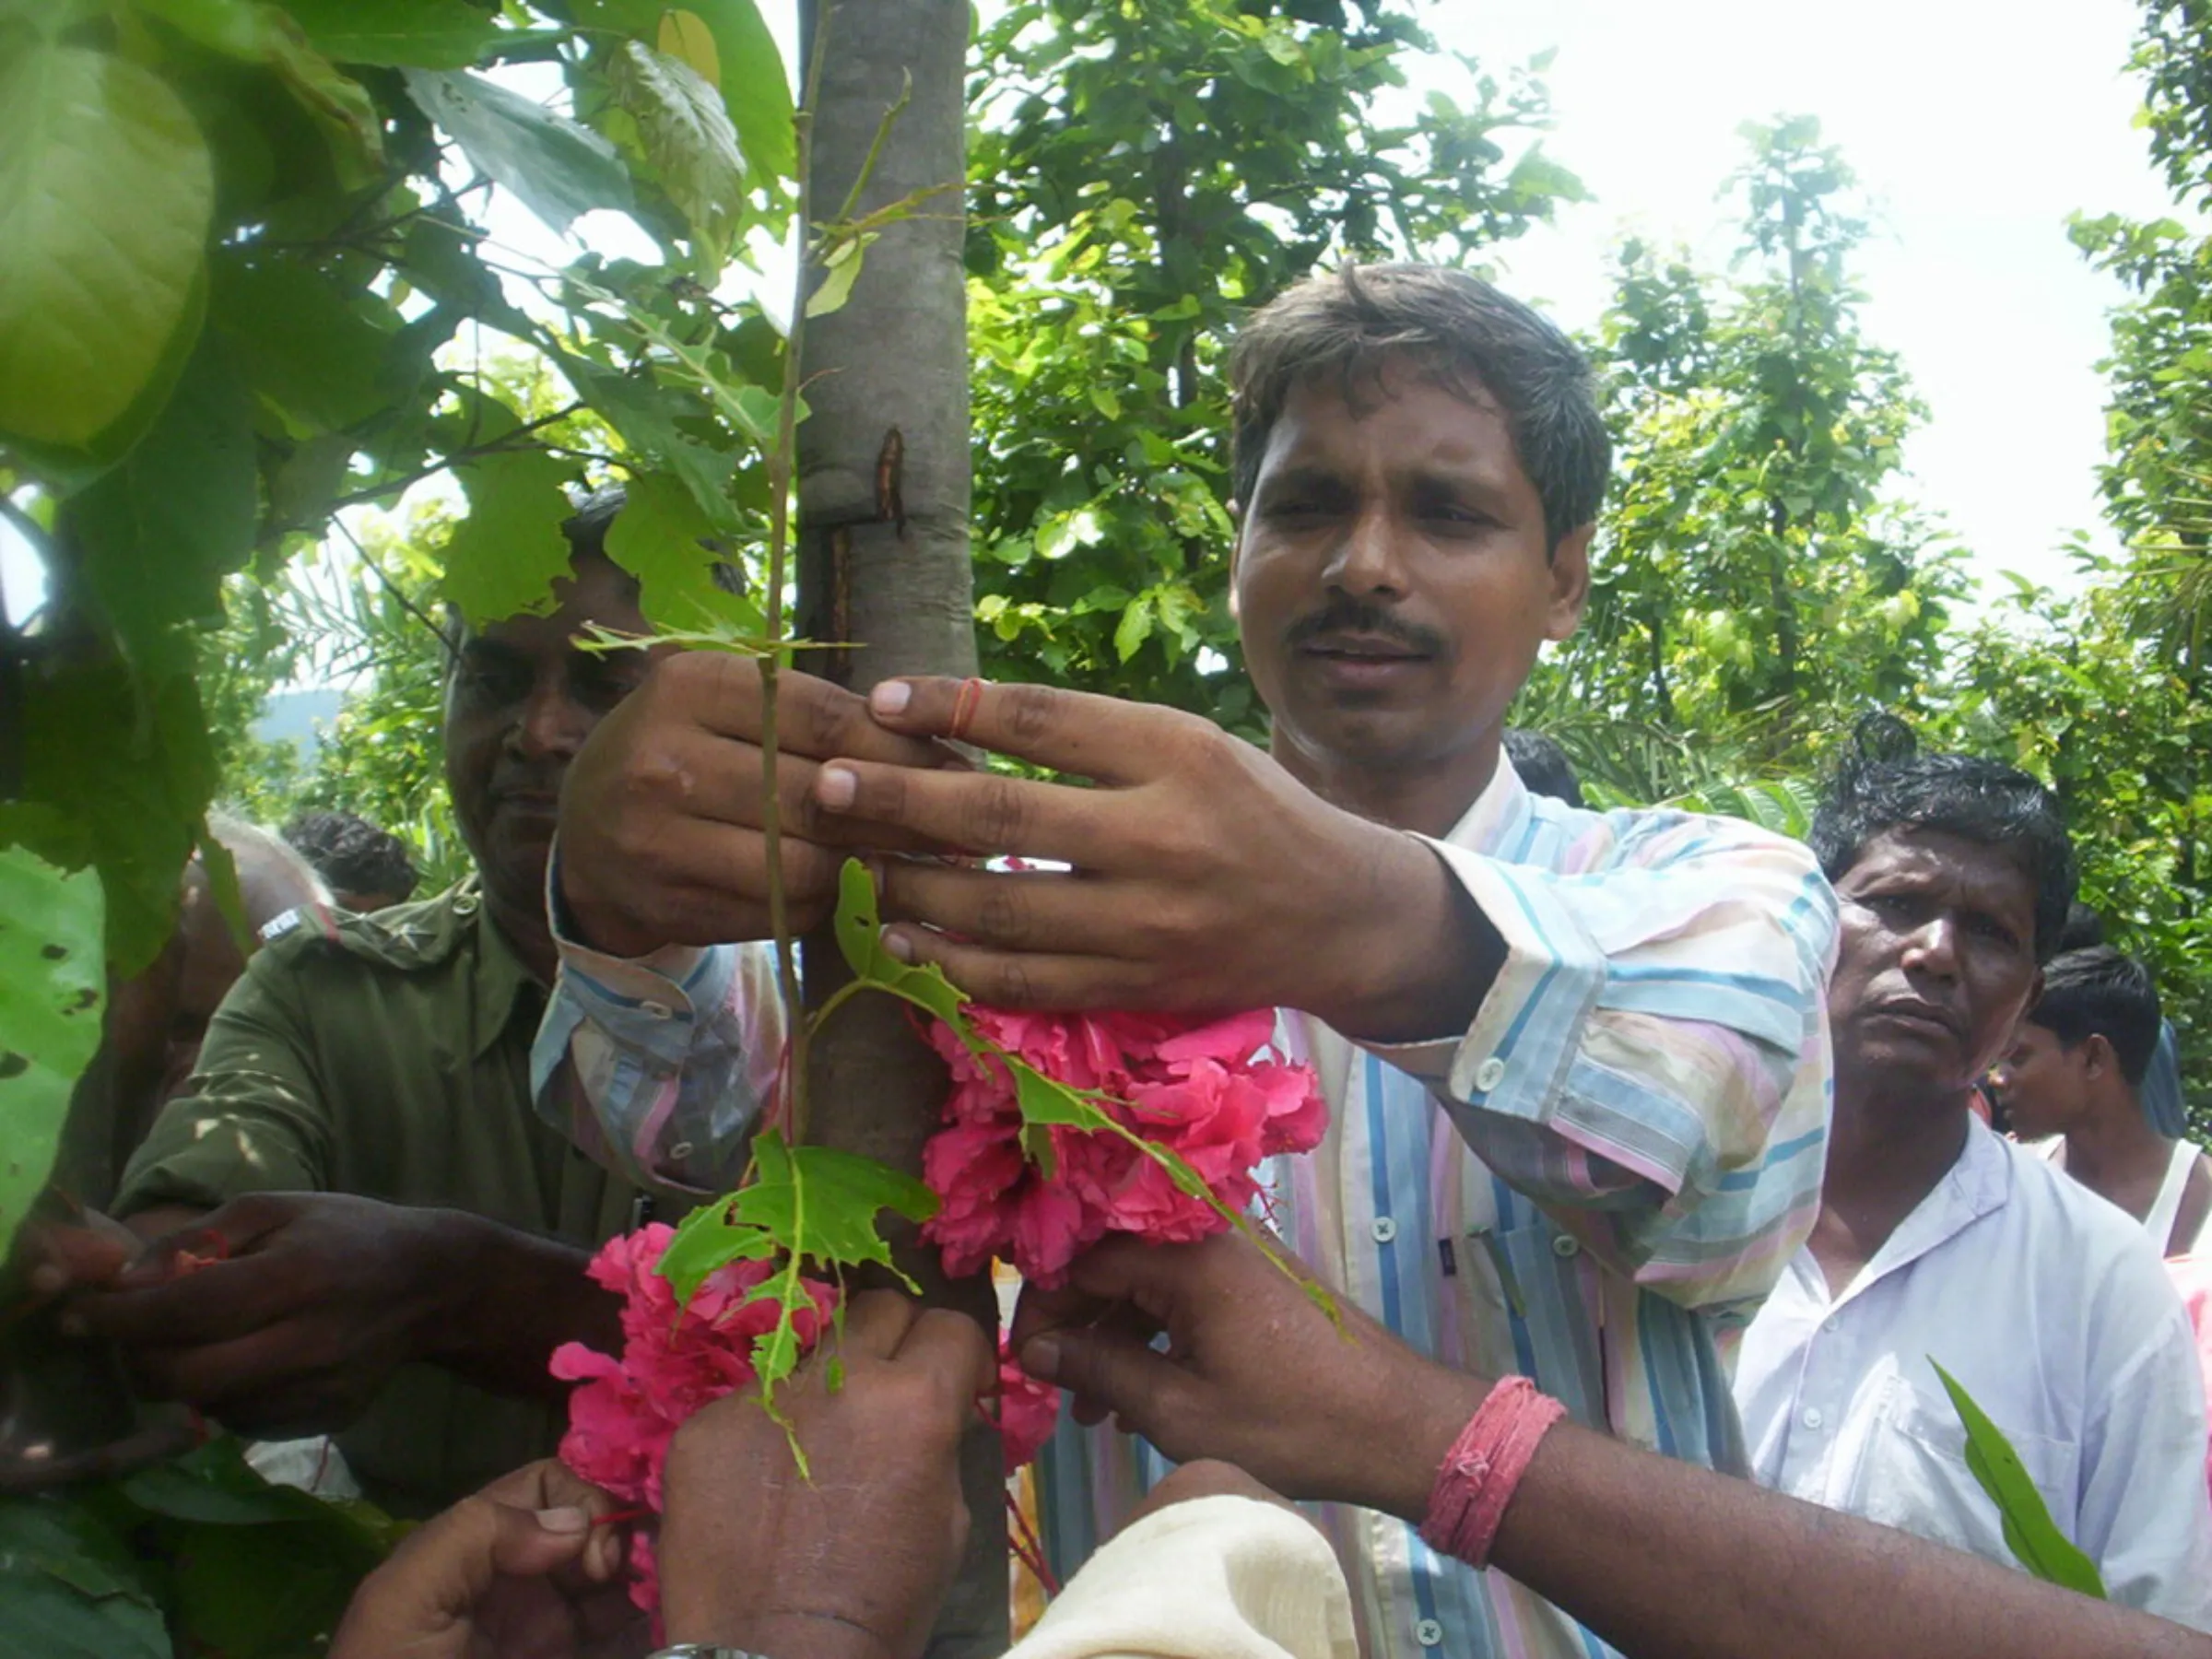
(352, 854)
(1543, 765)
(2084, 928)
(2100, 991)
(1454, 329)
(1886, 786)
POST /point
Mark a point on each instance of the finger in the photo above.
(954, 1349)
(877, 1322)
(437, 1577)
(218, 1301)
(1110, 1370)
(550, 1484)
(1102, 737)
(999, 979)
(65, 1257)
(234, 1229)
(1021, 910)
(269, 1382)
(983, 812)
(695, 774)
(814, 717)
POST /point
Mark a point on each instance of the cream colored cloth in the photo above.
(1215, 1578)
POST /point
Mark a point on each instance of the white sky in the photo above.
(1975, 129)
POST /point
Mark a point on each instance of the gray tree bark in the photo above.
(883, 483)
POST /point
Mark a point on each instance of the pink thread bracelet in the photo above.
(1486, 1463)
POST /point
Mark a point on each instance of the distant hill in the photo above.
(298, 717)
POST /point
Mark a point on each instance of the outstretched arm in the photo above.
(1660, 1558)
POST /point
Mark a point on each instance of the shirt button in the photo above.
(1812, 1418)
(656, 1010)
(1384, 1230)
(1830, 1322)
(1429, 1634)
(1489, 1074)
(681, 1150)
(1566, 1245)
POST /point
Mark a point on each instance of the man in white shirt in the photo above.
(1939, 1242)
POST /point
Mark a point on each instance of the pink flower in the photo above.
(1028, 1410)
(676, 1358)
(1213, 1094)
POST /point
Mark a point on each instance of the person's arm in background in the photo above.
(276, 1305)
(665, 1032)
(1662, 1559)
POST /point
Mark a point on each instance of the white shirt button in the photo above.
(1812, 1418)
(1489, 1074)
(1384, 1230)
(1830, 1322)
(1566, 1245)
(656, 1010)
(1429, 1634)
(681, 1150)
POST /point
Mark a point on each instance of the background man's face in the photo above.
(521, 699)
(1392, 581)
(1936, 961)
(2040, 1083)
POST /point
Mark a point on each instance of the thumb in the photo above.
(426, 1595)
(1109, 1370)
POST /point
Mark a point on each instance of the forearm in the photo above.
(1662, 1558)
(1421, 954)
(499, 1301)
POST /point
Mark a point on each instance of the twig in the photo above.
(503, 445)
(374, 568)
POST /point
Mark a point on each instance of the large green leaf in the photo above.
(658, 538)
(554, 167)
(503, 557)
(69, 1589)
(418, 34)
(161, 529)
(312, 356)
(52, 976)
(106, 189)
(755, 88)
(2029, 1532)
(688, 140)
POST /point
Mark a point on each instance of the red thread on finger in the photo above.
(965, 702)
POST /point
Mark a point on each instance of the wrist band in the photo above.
(1486, 1463)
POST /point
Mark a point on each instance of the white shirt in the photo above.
(2040, 1297)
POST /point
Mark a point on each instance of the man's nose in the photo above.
(1365, 560)
(550, 725)
(1934, 948)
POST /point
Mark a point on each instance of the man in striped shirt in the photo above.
(1577, 1062)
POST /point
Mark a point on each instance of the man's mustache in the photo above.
(1356, 617)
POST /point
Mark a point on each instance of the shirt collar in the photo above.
(1501, 812)
(1979, 1181)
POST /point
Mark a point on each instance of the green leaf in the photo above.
(52, 978)
(234, 28)
(401, 34)
(69, 1588)
(688, 141)
(858, 925)
(839, 276)
(337, 103)
(1134, 627)
(502, 559)
(312, 356)
(161, 531)
(755, 88)
(106, 190)
(658, 538)
(2029, 1532)
(554, 167)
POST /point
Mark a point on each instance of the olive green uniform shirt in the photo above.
(389, 1056)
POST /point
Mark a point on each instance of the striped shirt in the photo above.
(1611, 1165)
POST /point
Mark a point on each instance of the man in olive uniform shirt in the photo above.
(384, 1238)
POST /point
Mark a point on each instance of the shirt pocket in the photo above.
(1913, 1474)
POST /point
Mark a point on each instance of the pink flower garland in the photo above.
(1213, 1094)
(676, 1360)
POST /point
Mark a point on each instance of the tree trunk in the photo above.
(883, 564)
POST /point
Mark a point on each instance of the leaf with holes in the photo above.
(106, 188)
(504, 559)
(52, 976)
(660, 537)
(689, 142)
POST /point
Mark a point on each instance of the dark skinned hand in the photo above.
(854, 1563)
(523, 1570)
(1204, 877)
(661, 813)
(280, 1313)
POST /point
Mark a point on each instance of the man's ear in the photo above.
(1569, 583)
(1235, 554)
(2097, 1055)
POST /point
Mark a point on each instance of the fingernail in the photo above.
(891, 696)
(836, 787)
(897, 946)
(1041, 1357)
(568, 1518)
(49, 1281)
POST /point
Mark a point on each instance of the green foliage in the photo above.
(185, 1547)
(1140, 176)
(52, 980)
(2029, 1533)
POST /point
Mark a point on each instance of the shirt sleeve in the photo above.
(254, 1120)
(2144, 1515)
(659, 1067)
(1650, 1063)
(1213, 1578)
